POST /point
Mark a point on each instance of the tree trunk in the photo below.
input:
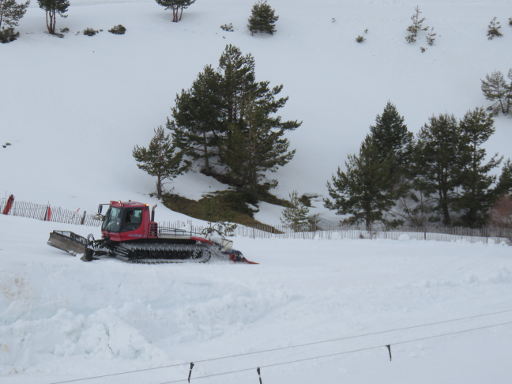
(443, 202)
(51, 21)
(159, 187)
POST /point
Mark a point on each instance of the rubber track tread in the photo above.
(162, 253)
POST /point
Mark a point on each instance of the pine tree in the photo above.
(256, 145)
(177, 7)
(504, 186)
(415, 27)
(476, 192)
(437, 159)
(52, 8)
(496, 89)
(11, 13)
(393, 142)
(160, 159)
(197, 121)
(296, 216)
(263, 18)
(362, 189)
(494, 29)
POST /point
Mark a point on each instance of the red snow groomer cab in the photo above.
(130, 233)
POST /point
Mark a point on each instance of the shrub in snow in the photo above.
(222, 229)
(7, 35)
(431, 36)
(510, 21)
(496, 89)
(52, 8)
(263, 18)
(494, 29)
(177, 7)
(227, 27)
(360, 39)
(90, 32)
(118, 30)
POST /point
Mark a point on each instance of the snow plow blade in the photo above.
(68, 241)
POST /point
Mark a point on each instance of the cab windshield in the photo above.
(122, 219)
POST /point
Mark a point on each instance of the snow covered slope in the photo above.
(61, 318)
(73, 108)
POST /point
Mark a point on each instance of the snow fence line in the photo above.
(486, 235)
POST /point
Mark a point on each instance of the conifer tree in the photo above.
(256, 145)
(177, 7)
(394, 142)
(11, 13)
(197, 121)
(494, 29)
(296, 216)
(504, 186)
(438, 163)
(362, 189)
(160, 159)
(416, 26)
(263, 18)
(476, 192)
(496, 89)
(52, 8)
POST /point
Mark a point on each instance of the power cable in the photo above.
(352, 351)
(302, 345)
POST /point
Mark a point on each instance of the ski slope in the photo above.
(61, 318)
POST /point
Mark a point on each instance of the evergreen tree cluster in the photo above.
(227, 123)
(443, 175)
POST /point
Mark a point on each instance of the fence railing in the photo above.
(47, 212)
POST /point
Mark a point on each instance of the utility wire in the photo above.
(276, 349)
(352, 351)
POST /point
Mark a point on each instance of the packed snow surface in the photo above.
(61, 318)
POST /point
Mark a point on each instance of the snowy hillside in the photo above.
(73, 108)
(63, 319)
